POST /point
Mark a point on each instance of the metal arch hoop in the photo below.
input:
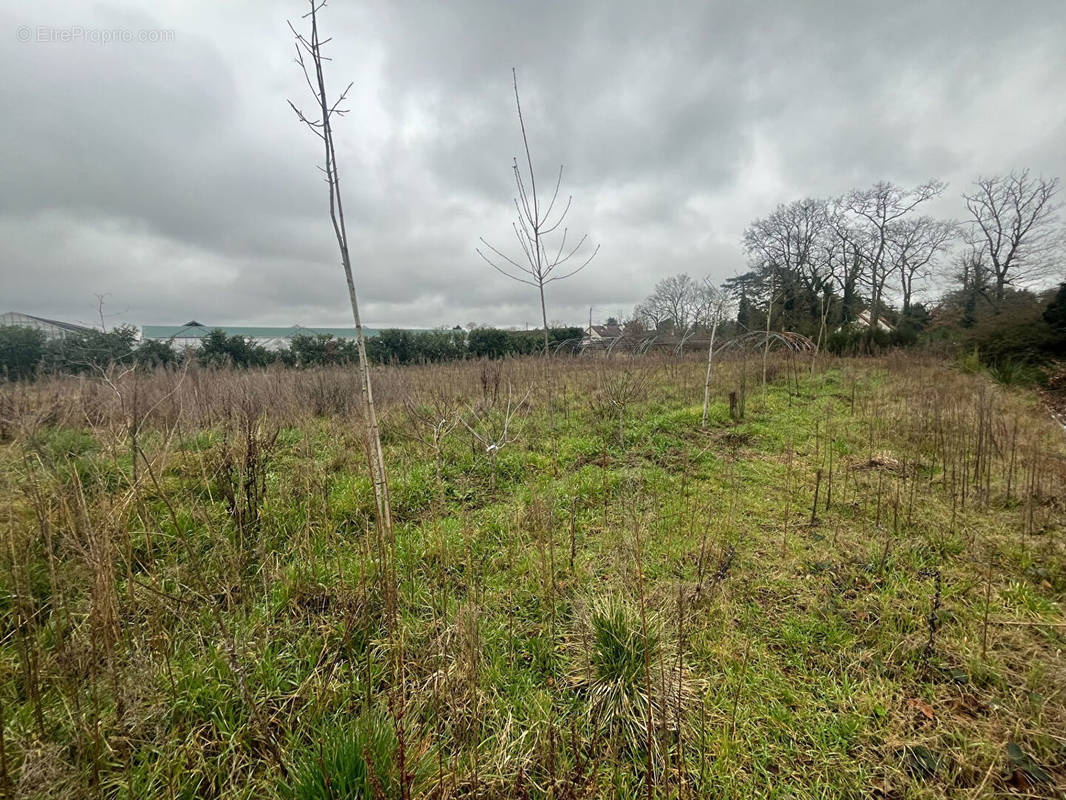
(788, 340)
(680, 349)
(574, 344)
(776, 340)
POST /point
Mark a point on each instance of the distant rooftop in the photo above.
(606, 331)
(18, 318)
(195, 330)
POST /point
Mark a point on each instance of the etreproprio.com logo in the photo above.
(67, 34)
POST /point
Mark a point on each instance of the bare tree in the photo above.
(796, 239)
(879, 209)
(789, 237)
(540, 263)
(914, 245)
(311, 60)
(678, 299)
(1014, 225)
(844, 247)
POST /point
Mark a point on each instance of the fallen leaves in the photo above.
(922, 707)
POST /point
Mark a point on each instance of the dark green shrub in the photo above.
(1055, 318)
(152, 353)
(487, 343)
(309, 350)
(217, 350)
(21, 351)
(1010, 371)
(91, 350)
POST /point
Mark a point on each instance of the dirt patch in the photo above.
(737, 440)
(1053, 392)
(882, 459)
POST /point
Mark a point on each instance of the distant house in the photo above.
(600, 336)
(51, 328)
(599, 332)
(862, 320)
(272, 338)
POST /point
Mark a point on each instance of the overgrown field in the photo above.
(850, 585)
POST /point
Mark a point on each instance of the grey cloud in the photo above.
(174, 177)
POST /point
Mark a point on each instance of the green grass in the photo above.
(787, 659)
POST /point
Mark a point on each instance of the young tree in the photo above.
(490, 423)
(433, 413)
(537, 224)
(1014, 225)
(620, 387)
(719, 307)
(311, 60)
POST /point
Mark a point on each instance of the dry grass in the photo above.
(196, 602)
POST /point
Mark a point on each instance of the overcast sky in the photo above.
(172, 177)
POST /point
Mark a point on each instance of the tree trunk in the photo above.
(437, 468)
(1001, 287)
(766, 346)
(336, 212)
(875, 302)
(707, 381)
(823, 314)
(544, 318)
